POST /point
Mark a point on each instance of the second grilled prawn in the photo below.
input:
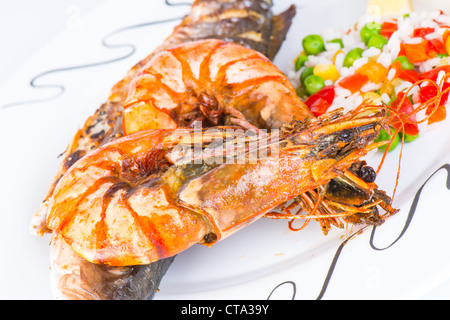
(214, 82)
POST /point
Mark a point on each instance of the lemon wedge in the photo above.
(388, 7)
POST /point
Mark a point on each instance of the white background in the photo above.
(27, 25)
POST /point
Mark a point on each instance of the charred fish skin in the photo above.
(128, 283)
(249, 23)
(75, 278)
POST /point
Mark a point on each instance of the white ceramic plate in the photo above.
(266, 259)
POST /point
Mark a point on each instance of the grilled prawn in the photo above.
(135, 201)
(213, 82)
(248, 23)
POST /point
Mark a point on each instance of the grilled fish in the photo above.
(248, 23)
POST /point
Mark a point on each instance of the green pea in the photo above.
(305, 74)
(339, 41)
(383, 136)
(442, 55)
(370, 29)
(313, 44)
(351, 56)
(313, 84)
(404, 61)
(408, 137)
(393, 98)
(301, 92)
(300, 62)
(377, 41)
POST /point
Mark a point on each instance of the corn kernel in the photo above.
(374, 58)
(374, 71)
(447, 45)
(326, 72)
(335, 55)
(372, 98)
(387, 87)
(396, 82)
(444, 62)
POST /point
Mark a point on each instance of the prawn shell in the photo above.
(127, 216)
(248, 191)
(214, 75)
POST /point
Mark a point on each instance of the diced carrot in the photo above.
(354, 82)
(418, 52)
(439, 115)
(388, 28)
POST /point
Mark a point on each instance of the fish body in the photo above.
(249, 23)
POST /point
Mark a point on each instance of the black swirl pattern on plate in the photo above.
(408, 220)
(106, 43)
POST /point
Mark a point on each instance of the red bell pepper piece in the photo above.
(433, 74)
(320, 101)
(427, 93)
(422, 32)
(404, 109)
(444, 98)
(437, 45)
(408, 75)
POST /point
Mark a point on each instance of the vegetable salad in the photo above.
(379, 60)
